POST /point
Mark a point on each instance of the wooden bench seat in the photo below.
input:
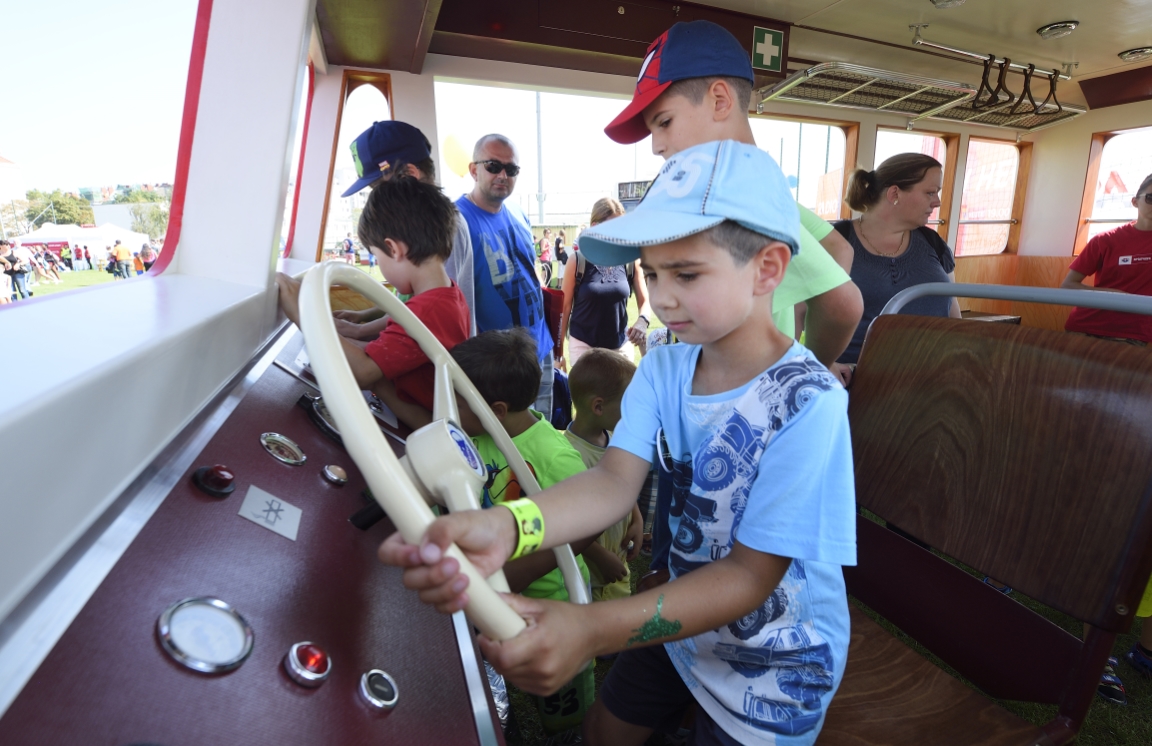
(1023, 454)
(893, 694)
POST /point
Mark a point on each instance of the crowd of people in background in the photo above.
(27, 266)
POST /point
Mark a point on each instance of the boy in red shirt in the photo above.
(408, 225)
(1121, 261)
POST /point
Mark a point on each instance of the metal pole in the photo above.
(827, 148)
(539, 164)
(1121, 302)
(921, 41)
(799, 150)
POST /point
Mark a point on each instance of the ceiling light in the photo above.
(1135, 55)
(947, 3)
(1057, 30)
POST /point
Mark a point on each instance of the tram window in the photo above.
(989, 192)
(1126, 158)
(894, 142)
(366, 103)
(811, 155)
(94, 165)
(562, 159)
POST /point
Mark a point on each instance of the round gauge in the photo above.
(283, 449)
(205, 634)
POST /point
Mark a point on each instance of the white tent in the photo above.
(95, 238)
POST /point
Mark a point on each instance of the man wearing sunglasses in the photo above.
(1121, 261)
(507, 290)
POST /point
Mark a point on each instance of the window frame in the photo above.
(1088, 196)
(1016, 216)
(351, 80)
(951, 160)
(851, 132)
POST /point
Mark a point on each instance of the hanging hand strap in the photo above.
(1026, 92)
(1000, 85)
(1053, 78)
(977, 104)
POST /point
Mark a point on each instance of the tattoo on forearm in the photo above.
(656, 627)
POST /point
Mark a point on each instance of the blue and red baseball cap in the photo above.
(383, 145)
(700, 49)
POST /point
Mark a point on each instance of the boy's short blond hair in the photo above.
(603, 373)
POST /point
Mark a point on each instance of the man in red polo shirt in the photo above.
(1121, 261)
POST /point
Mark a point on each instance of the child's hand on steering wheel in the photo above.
(487, 538)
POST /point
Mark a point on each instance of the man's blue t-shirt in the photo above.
(768, 464)
(507, 290)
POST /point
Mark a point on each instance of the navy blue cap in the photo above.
(700, 49)
(383, 144)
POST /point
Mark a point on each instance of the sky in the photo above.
(95, 96)
(94, 91)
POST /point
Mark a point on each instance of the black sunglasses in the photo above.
(494, 167)
(1147, 197)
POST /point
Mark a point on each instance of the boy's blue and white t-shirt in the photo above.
(768, 464)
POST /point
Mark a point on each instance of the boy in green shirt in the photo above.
(501, 364)
(504, 368)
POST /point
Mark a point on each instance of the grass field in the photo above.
(71, 281)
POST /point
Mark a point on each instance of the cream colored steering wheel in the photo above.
(441, 457)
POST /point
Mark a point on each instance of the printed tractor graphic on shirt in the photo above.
(689, 533)
(733, 452)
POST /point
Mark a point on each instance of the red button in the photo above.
(312, 658)
(219, 477)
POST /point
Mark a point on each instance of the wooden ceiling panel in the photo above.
(594, 35)
(388, 34)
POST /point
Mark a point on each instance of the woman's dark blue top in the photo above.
(600, 306)
(879, 278)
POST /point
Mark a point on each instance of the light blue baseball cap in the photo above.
(698, 188)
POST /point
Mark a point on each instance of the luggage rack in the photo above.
(857, 87)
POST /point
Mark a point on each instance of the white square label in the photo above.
(269, 511)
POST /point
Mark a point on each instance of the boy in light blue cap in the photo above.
(753, 626)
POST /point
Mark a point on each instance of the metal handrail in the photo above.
(919, 40)
(1108, 220)
(1122, 302)
(1007, 221)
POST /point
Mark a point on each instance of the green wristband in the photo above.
(529, 526)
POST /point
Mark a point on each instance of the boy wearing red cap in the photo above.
(694, 87)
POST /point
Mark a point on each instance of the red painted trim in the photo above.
(300, 165)
(187, 133)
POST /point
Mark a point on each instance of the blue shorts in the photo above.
(644, 688)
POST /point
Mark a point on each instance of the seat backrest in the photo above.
(1023, 453)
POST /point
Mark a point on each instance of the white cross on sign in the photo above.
(766, 49)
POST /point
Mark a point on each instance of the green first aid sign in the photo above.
(767, 49)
